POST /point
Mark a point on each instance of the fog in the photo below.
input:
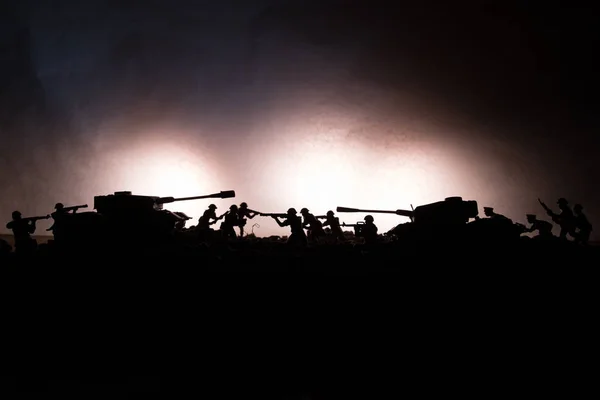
(174, 103)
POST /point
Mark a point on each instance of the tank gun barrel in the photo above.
(221, 195)
(404, 213)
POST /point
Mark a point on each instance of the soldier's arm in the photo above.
(281, 224)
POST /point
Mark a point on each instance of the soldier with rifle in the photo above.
(313, 225)
(489, 212)
(297, 236)
(61, 212)
(334, 224)
(22, 229)
(565, 219)
(582, 225)
(544, 228)
(230, 221)
(243, 213)
(367, 230)
(207, 219)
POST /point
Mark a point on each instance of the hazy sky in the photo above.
(298, 103)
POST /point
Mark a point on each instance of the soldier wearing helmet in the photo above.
(206, 220)
(334, 224)
(297, 236)
(313, 225)
(564, 219)
(22, 230)
(368, 230)
(58, 226)
(230, 221)
(490, 213)
(544, 228)
(243, 213)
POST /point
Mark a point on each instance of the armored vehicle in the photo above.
(442, 220)
(123, 217)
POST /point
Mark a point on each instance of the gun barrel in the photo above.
(36, 218)
(221, 195)
(278, 215)
(75, 207)
(404, 213)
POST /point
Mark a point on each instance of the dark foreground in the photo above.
(247, 319)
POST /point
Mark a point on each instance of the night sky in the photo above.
(298, 104)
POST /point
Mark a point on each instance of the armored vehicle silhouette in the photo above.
(125, 217)
(440, 220)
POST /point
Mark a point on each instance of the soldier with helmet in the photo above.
(490, 213)
(243, 213)
(22, 229)
(334, 224)
(313, 225)
(565, 219)
(544, 228)
(231, 220)
(206, 220)
(297, 236)
(368, 230)
(58, 227)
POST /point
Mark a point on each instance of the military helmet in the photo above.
(244, 205)
(212, 207)
(330, 213)
(16, 214)
(531, 216)
(488, 209)
(292, 211)
(369, 218)
(562, 200)
(233, 207)
(304, 211)
(59, 206)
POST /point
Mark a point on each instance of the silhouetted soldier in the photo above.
(565, 219)
(206, 220)
(313, 225)
(243, 213)
(231, 220)
(582, 225)
(368, 230)
(22, 229)
(58, 227)
(297, 236)
(544, 228)
(489, 212)
(334, 224)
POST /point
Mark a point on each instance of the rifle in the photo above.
(276, 215)
(321, 216)
(356, 225)
(34, 219)
(548, 210)
(74, 208)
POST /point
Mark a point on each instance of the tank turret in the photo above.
(434, 219)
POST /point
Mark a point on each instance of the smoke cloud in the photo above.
(292, 104)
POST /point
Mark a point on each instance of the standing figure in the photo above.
(544, 228)
(22, 229)
(334, 224)
(243, 213)
(297, 236)
(313, 225)
(231, 220)
(565, 219)
(582, 225)
(368, 230)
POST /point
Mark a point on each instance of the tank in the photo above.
(440, 220)
(128, 218)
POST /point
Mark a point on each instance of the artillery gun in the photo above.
(125, 217)
(445, 219)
